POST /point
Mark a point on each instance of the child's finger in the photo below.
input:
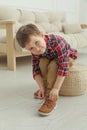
(42, 95)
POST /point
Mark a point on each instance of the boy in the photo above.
(51, 58)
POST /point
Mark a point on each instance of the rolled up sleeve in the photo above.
(63, 58)
(35, 66)
(63, 69)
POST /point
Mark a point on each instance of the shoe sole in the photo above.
(47, 114)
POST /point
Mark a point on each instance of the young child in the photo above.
(51, 58)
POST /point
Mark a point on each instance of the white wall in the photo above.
(83, 11)
(74, 9)
(70, 7)
(34, 4)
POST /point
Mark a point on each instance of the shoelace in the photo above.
(48, 103)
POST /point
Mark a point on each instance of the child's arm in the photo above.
(55, 91)
(37, 75)
(61, 49)
(40, 83)
(35, 66)
(58, 82)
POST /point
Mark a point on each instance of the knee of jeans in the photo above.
(52, 66)
(43, 63)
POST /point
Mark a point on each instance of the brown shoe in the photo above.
(47, 107)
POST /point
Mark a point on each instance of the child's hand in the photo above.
(41, 93)
(53, 94)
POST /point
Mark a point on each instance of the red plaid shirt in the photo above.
(56, 48)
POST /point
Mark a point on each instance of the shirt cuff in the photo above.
(63, 73)
(34, 74)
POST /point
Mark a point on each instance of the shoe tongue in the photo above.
(48, 100)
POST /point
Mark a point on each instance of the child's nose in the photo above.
(38, 48)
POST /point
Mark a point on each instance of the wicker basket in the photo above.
(76, 83)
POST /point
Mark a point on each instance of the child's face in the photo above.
(36, 45)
